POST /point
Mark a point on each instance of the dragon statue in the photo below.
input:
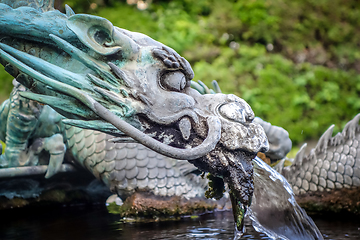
(122, 87)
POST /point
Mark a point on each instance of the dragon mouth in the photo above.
(232, 166)
(235, 168)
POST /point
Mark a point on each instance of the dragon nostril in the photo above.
(235, 112)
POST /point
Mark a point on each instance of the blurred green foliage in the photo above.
(5, 84)
(296, 62)
(304, 99)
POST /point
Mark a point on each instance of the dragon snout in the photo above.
(238, 130)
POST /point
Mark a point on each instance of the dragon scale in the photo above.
(126, 167)
(333, 164)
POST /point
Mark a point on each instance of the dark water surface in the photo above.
(94, 223)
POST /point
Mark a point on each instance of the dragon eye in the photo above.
(174, 81)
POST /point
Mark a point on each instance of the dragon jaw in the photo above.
(142, 88)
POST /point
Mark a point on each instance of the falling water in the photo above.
(274, 210)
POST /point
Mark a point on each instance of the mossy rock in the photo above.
(341, 201)
(142, 206)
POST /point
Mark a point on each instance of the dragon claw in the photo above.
(54, 166)
(57, 149)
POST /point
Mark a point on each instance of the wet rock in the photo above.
(114, 199)
(6, 203)
(144, 206)
(343, 201)
(61, 190)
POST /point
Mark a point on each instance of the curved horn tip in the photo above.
(69, 11)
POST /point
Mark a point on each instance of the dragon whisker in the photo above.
(101, 83)
(120, 74)
(205, 147)
(48, 69)
(61, 104)
(59, 86)
(98, 67)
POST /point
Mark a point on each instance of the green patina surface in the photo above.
(216, 187)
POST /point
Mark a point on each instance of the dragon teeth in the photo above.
(185, 128)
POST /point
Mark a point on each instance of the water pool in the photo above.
(95, 223)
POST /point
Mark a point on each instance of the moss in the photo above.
(3, 147)
(148, 207)
(54, 195)
(344, 201)
(216, 187)
(15, 202)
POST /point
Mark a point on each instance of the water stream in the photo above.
(274, 210)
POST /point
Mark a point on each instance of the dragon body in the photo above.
(123, 167)
(127, 167)
(333, 164)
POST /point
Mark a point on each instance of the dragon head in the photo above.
(129, 85)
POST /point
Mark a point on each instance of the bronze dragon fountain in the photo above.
(110, 89)
(122, 83)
